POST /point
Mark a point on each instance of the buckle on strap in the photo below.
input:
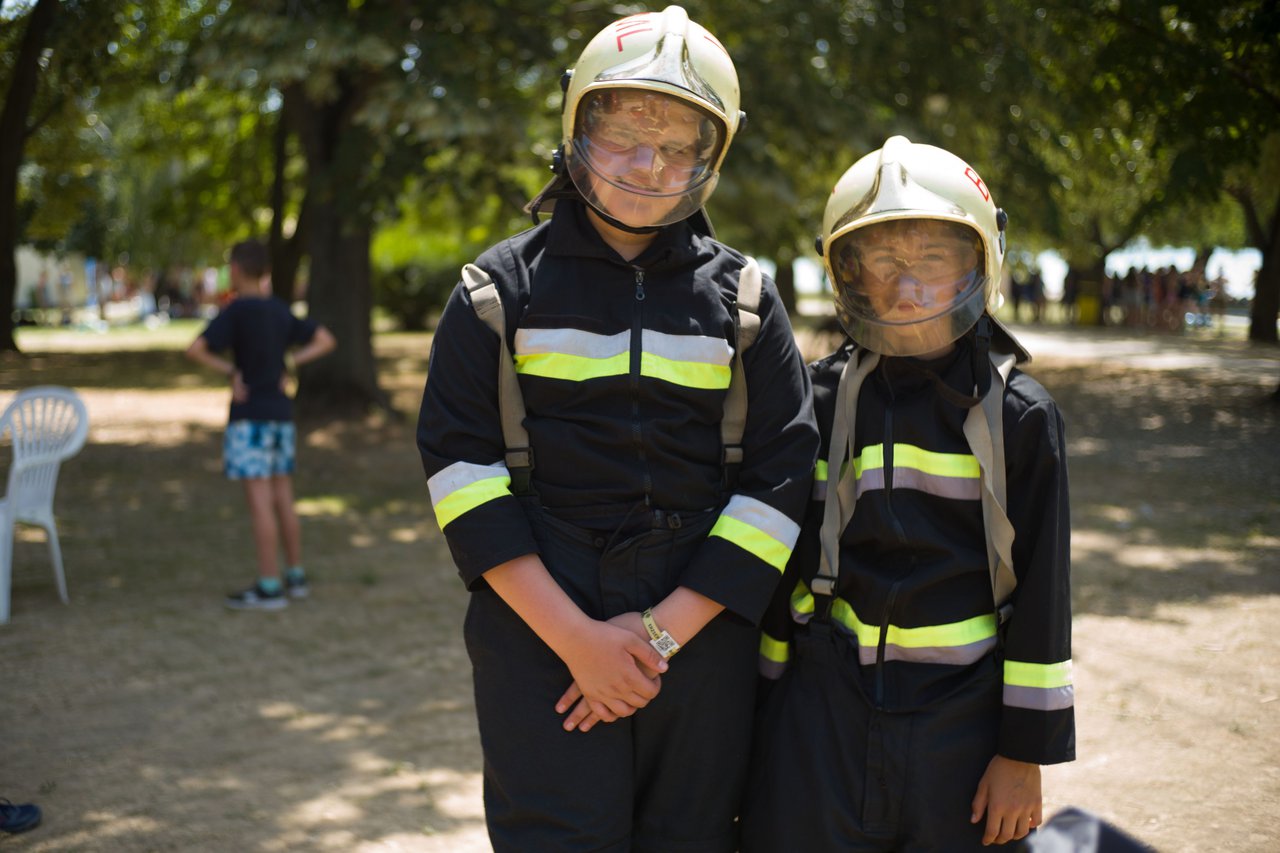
(823, 585)
(519, 457)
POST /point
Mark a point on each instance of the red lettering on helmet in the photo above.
(631, 26)
(713, 40)
(977, 182)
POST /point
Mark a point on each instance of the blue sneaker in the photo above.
(257, 598)
(15, 819)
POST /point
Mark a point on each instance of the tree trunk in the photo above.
(13, 140)
(1266, 291)
(344, 384)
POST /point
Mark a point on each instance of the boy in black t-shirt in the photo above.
(258, 448)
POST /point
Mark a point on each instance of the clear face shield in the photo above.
(908, 286)
(645, 158)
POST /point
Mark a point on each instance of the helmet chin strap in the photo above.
(622, 226)
(981, 333)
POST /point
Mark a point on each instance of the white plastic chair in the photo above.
(45, 425)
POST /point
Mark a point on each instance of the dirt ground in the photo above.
(145, 717)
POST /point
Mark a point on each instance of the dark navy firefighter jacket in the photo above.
(624, 367)
(914, 590)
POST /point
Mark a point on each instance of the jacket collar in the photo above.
(571, 234)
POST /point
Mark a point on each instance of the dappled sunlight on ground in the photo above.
(143, 716)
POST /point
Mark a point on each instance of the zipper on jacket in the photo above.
(892, 597)
(637, 349)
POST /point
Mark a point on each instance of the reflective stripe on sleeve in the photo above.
(801, 603)
(820, 480)
(774, 656)
(463, 486)
(1038, 686)
(759, 529)
(778, 651)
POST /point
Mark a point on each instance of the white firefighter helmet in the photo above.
(649, 111)
(913, 244)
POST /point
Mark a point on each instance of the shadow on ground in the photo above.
(145, 717)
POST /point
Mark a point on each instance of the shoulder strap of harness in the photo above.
(984, 430)
(488, 307)
(519, 454)
(734, 422)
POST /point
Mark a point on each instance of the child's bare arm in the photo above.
(199, 352)
(322, 343)
(1009, 793)
(603, 658)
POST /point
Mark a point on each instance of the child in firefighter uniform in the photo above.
(919, 646)
(618, 437)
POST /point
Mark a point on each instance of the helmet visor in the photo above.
(903, 286)
(646, 142)
(646, 146)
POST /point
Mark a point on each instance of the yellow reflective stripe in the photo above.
(1043, 675)
(938, 464)
(778, 651)
(471, 496)
(909, 456)
(872, 457)
(842, 611)
(752, 540)
(575, 368)
(694, 361)
(820, 471)
(941, 636)
(690, 374)
(948, 635)
(801, 599)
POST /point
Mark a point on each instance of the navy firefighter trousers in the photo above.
(832, 773)
(668, 778)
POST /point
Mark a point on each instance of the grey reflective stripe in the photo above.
(463, 486)
(700, 349)
(1039, 698)
(734, 422)
(488, 306)
(953, 655)
(956, 488)
(573, 342)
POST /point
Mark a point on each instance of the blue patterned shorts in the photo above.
(254, 449)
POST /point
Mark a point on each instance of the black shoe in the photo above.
(15, 819)
(257, 598)
(297, 587)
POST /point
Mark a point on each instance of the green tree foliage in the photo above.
(394, 140)
(1205, 77)
(372, 91)
(64, 66)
